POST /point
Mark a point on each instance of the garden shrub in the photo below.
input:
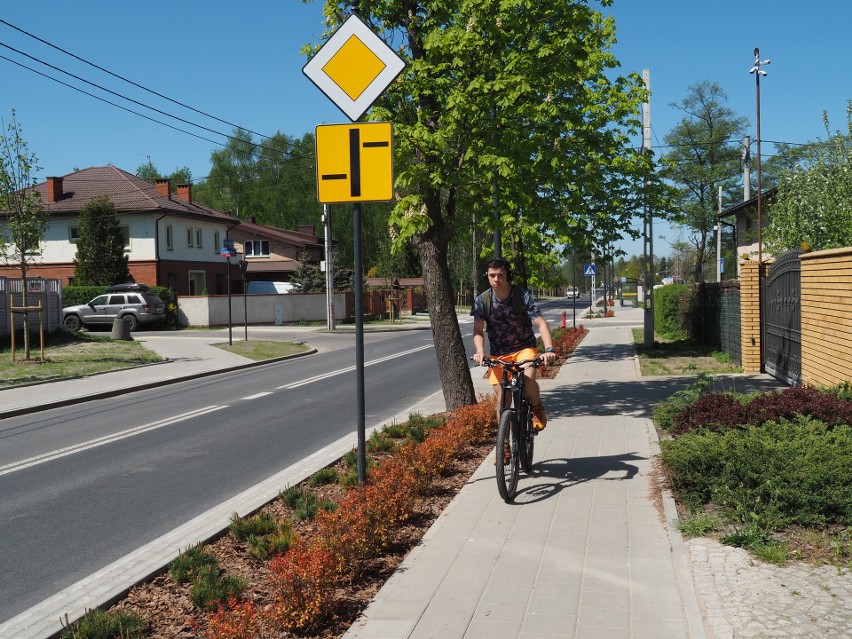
(188, 564)
(719, 411)
(97, 624)
(786, 472)
(212, 586)
(234, 620)
(673, 308)
(76, 295)
(664, 413)
(303, 580)
(564, 340)
(305, 577)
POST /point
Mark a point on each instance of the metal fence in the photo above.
(46, 293)
(718, 317)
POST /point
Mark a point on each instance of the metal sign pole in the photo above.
(230, 322)
(359, 348)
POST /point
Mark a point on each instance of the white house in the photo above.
(170, 240)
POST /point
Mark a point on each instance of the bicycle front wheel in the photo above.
(527, 443)
(507, 456)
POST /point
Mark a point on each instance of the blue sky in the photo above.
(241, 63)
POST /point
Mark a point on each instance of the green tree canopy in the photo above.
(515, 99)
(100, 259)
(273, 179)
(704, 155)
(150, 173)
(814, 203)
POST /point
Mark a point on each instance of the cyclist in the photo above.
(510, 313)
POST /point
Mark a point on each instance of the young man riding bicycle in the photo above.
(510, 314)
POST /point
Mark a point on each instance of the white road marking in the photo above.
(107, 439)
(257, 395)
(349, 369)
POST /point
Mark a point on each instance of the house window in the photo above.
(257, 248)
(170, 238)
(33, 251)
(198, 238)
(217, 246)
(190, 237)
(74, 235)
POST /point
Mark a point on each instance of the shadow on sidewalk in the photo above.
(560, 474)
(636, 398)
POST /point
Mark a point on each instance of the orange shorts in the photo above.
(495, 373)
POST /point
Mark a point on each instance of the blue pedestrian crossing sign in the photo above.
(589, 270)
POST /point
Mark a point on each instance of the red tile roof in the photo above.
(296, 238)
(127, 192)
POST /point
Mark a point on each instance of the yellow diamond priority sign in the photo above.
(354, 162)
(354, 67)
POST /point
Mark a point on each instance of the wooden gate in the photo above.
(782, 319)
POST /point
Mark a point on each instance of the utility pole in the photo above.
(757, 71)
(746, 168)
(719, 239)
(648, 235)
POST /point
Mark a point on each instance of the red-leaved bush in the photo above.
(721, 411)
(305, 577)
(565, 340)
(237, 620)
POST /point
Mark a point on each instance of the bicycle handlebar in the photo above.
(490, 362)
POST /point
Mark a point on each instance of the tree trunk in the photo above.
(24, 302)
(449, 346)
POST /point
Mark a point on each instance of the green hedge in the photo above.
(779, 473)
(75, 295)
(673, 311)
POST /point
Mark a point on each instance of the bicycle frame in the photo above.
(515, 439)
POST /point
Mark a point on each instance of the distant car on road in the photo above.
(572, 292)
(132, 302)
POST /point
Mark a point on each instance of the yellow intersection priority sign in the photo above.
(354, 162)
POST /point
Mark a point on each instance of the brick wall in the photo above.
(750, 316)
(826, 317)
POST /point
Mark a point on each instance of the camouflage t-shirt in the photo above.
(509, 329)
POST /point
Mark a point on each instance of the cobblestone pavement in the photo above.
(742, 597)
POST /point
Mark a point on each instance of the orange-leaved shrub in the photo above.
(303, 581)
(305, 577)
(564, 340)
(237, 620)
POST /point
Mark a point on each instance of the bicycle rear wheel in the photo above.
(527, 439)
(507, 456)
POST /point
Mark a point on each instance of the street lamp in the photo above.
(757, 71)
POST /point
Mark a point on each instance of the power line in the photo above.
(136, 84)
(123, 108)
(115, 93)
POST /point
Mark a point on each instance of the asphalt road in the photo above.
(111, 475)
(120, 472)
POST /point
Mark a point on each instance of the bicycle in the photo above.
(515, 434)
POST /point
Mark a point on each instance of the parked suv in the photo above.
(130, 301)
